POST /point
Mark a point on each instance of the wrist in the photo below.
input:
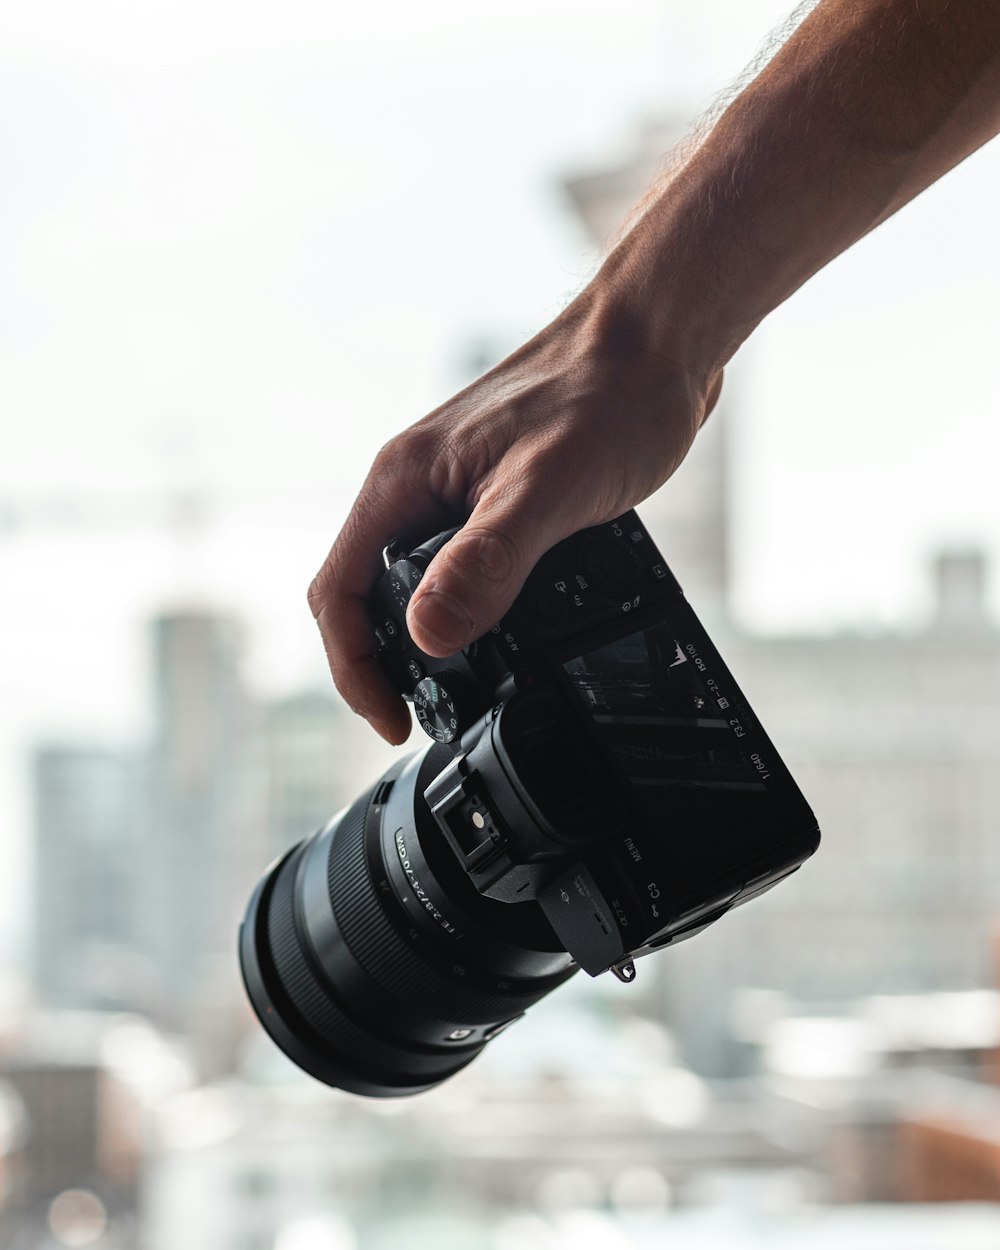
(653, 306)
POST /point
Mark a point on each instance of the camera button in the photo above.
(387, 632)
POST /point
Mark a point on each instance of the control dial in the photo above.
(404, 577)
(445, 705)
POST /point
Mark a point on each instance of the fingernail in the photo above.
(443, 618)
(381, 728)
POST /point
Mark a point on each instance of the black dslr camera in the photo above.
(597, 788)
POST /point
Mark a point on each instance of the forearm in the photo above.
(868, 103)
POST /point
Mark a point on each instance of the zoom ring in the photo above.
(359, 907)
(313, 1004)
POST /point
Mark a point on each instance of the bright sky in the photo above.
(242, 244)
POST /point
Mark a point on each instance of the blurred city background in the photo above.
(241, 247)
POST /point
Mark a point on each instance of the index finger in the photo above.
(388, 505)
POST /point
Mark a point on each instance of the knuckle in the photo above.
(556, 458)
(491, 551)
(447, 475)
(319, 592)
(405, 450)
(388, 455)
(429, 456)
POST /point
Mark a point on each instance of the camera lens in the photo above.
(371, 959)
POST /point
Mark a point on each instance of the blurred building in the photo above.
(88, 822)
(253, 1159)
(948, 1146)
(13, 1125)
(203, 833)
(895, 741)
(72, 1176)
(952, 1153)
(306, 736)
(318, 757)
(145, 858)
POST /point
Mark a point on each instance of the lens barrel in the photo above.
(371, 959)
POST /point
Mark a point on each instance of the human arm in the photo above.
(867, 103)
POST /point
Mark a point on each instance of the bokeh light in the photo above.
(77, 1217)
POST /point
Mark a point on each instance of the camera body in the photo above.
(604, 763)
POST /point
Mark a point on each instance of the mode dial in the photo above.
(445, 705)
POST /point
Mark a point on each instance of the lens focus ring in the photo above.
(394, 964)
(358, 1057)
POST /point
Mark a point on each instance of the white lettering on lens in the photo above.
(419, 893)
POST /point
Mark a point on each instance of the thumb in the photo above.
(476, 577)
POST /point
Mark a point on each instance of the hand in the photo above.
(573, 429)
